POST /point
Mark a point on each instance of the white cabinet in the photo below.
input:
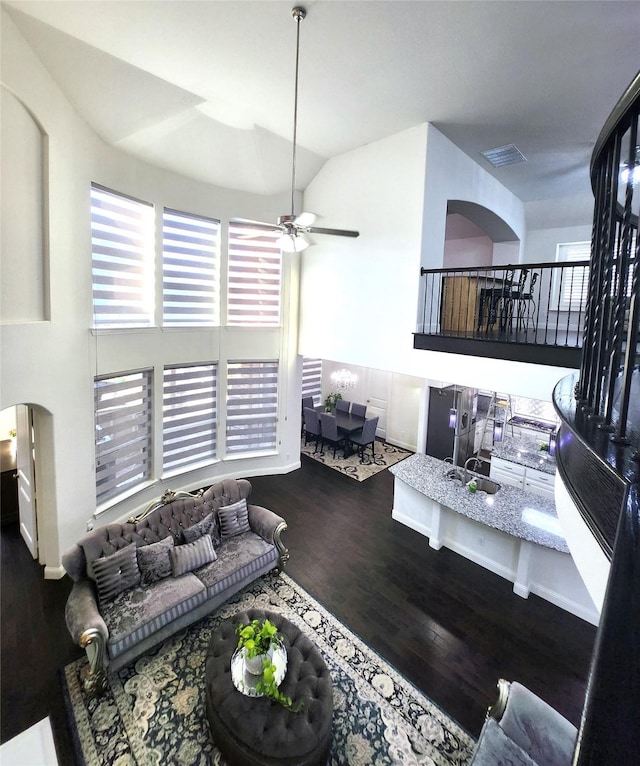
(506, 472)
(539, 483)
(516, 475)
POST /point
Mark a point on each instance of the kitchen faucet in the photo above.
(466, 463)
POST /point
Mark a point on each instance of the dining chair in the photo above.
(307, 401)
(312, 430)
(329, 433)
(359, 410)
(342, 405)
(511, 300)
(527, 305)
(493, 298)
(365, 437)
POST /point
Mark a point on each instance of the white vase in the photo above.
(255, 665)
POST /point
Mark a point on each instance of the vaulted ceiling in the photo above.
(206, 88)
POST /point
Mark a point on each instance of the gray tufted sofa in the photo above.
(113, 632)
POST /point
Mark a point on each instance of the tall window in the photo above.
(188, 416)
(255, 266)
(122, 254)
(123, 432)
(252, 406)
(190, 270)
(312, 379)
(572, 284)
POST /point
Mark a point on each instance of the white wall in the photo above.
(360, 298)
(51, 364)
(24, 283)
(468, 252)
(541, 243)
(506, 253)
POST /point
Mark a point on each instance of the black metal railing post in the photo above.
(599, 454)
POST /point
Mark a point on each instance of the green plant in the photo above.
(330, 401)
(13, 433)
(267, 686)
(256, 639)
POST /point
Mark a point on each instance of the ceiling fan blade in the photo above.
(262, 224)
(337, 232)
(305, 219)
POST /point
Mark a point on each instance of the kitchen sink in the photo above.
(483, 484)
(486, 485)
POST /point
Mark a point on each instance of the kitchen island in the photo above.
(525, 452)
(513, 533)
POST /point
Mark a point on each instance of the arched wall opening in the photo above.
(476, 236)
(35, 475)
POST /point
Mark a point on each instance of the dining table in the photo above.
(348, 424)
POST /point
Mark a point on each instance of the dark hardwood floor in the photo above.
(447, 625)
(35, 645)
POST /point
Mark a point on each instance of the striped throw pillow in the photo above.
(116, 573)
(234, 519)
(186, 558)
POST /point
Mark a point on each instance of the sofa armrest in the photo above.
(89, 631)
(270, 527)
(542, 732)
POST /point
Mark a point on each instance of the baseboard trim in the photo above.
(409, 522)
(54, 573)
(568, 605)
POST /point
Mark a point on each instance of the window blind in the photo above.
(312, 379)
(572, 284)
(190, 270)
(188, 415)
(122, 253)
(255, 267)
(252, 406)
(123, 432)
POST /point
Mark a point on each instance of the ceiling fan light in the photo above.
(293, 243)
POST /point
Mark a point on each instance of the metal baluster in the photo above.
(632, 330)
(608, 258)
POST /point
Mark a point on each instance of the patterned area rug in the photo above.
(385, 455)
(154, 711)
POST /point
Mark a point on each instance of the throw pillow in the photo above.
(153, 560)
(234, 519)
(116, 573)
(186, 558)
(206, 526)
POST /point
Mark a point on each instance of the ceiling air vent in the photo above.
(504, 155)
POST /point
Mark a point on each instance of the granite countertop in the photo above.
(511, 510)
(524, 452)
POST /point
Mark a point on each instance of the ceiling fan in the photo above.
(293, 227)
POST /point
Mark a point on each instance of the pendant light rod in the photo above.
(298, 14)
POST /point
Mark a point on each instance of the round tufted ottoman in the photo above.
(258, 730)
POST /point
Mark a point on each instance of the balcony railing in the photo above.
(534, 305)
(530, 303)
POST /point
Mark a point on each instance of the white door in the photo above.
(377, 388)
(26, 491)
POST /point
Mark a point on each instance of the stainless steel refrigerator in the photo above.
(442, 440)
